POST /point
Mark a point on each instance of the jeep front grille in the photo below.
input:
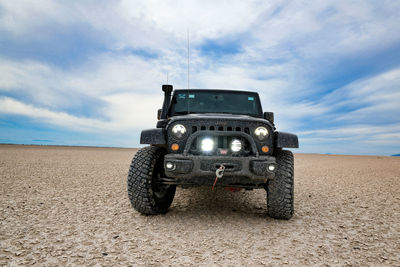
(222, 143)
(220, 128)
(222, 146)
(222, 132)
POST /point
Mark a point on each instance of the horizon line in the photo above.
(121, 147)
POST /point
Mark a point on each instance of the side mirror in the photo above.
(269, 116)
(159, 114)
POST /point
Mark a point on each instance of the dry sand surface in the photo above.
(69, 206)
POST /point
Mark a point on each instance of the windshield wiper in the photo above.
(183, 112)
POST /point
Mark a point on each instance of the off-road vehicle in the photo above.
(217, 138)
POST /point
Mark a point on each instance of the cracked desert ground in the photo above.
(69, 206)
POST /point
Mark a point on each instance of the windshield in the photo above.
(214, 101)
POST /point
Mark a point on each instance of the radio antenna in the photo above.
(167, 77)
(188, 59)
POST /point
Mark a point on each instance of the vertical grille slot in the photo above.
(194, 129)
(220, 128)
(247, 130)
(203, 128)
(229, 129)
(212, 128)
(238, 129)
(220, 141)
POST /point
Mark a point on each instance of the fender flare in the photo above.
(283, 139)
(153, 137)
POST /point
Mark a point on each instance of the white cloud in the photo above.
(163, 24)
(159, 25)
(354, 139)
(331, 26)
(123, 112)
(133, 111)
(374, 99)
(106, 75)
(366, 130)
(12, 106)
(24, 17)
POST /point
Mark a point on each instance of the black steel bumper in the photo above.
(200, 170)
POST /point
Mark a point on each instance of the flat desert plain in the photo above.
(69, 206)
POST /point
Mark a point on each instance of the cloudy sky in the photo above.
(90, 72)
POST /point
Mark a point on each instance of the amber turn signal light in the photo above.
(174, 147)
(265, 149)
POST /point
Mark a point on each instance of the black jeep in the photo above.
(212, 138)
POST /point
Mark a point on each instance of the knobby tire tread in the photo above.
(140, 179)
(280, 190)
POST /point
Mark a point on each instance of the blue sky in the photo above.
(90, 72)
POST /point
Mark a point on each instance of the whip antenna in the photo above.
(187, 99)
(188, 59)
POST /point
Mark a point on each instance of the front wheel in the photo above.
(146, 194)
(280, 193)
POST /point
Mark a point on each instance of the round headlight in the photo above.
(179, 130)
(261, 133)
(236, 145)
(207, 144)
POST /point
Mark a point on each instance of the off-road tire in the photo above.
(145, 192)
(280, 193)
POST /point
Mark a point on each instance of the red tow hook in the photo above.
(219, 173)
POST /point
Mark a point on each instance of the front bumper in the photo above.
(200, 170)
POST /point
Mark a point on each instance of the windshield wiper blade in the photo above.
(183, 112)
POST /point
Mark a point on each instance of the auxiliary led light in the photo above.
(169, 165)
(271, 167)
(207, 145)
(236, 145)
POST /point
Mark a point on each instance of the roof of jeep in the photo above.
(215, 90)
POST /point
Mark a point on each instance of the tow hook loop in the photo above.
(219, 173)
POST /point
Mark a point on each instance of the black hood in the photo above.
(219, 117)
